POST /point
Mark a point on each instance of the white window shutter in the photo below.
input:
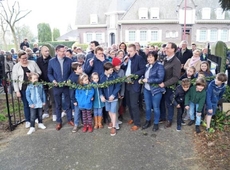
(159, 35)
(197, 35)
(126, 35)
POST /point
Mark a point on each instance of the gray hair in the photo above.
(80, 56)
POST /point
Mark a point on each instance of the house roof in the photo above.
(71, 35)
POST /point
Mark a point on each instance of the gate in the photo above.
(13, 105)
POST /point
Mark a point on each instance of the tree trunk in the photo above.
(4, 40)
(16, 44)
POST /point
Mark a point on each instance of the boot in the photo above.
(99, 120)
(84, 129)
(95, 122)
(198, 129)
(90, 128)
(155, 127)
(147, 124)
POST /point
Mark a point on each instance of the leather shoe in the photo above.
(162, 121)
(71, 123)
(168, 124)
(134, 128)
(155, 127)
(191, 122)
(58, 126)
(130, 122)
(147, 124)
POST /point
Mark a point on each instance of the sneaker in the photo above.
(74, 129)
(207, 129)
(198, 129)
(27, 125)
(63, 114)
(90, 128)
(41, 126)
(113, 131)
(117, 126)
(178, 128)
(32, 129)
(187, 117)
(119, 122)
(54, 118)
(36, 120)
(110, 125)
(183, 123)
(45, 115)
(191, 122)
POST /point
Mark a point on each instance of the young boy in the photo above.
(189, 73)
(110, 95)
(73, 78)
(194, 101)
(117, 68)
(178, 100)
(215, 91)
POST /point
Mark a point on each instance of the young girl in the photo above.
(205, 69)
(194, 101)
(84, 99)
(190, 72)
(36, 98)
(97, 103)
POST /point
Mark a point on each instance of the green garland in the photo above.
(71, 85)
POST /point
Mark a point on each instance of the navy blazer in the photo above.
(137, 68)
(54, 69)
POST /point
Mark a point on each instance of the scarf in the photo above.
(193, 61)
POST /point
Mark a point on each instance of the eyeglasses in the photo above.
(24, 58)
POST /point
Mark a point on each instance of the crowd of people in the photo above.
(168, 78)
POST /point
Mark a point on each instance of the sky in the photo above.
(57, 13)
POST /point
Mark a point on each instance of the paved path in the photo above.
(64, 150)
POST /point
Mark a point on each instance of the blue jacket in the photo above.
(214, 94)
(83, 97)
(35, 97)
(112, 89)
(156, 76)
(74, 79)
(54, 69)
(98, 66)
(97, 103)
(137, 68)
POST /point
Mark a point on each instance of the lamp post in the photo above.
(184, 33)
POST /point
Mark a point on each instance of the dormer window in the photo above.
(220, 14)
(206, 13)
(154, 13)
(93, 19)
(143, 13)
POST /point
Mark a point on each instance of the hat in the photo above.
(116, 61)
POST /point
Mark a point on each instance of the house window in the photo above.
(154, 13)
(174, 34)
(213, 35)
(98, 37)
(154, 35)
(203, 35)
(167, 34)
(89, 37)
(219, 13)
(190, 16)
(132, 35)
(143, 35)
(93, 19)
(224, 35)
(206, 13)
(143, 13)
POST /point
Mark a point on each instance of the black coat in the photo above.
(43, 65)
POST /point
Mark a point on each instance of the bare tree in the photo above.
(11, 15)
(3, 26)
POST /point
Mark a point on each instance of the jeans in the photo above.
(97, 111)
(180, 112)
(49, 100)
(58, 91)
(34, 114)
(192, 110)
(152, 102)
(77, 115)
(25, 105)
(165, 100)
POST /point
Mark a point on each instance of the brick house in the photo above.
(145, 21)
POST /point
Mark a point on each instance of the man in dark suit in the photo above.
(133, 64)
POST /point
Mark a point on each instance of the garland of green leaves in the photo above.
(71, 85)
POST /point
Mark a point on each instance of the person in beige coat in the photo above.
(194, 61)
(20, 80)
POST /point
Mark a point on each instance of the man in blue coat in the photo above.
(59, 70)
(133, 64)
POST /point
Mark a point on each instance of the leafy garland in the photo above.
(71, 85)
